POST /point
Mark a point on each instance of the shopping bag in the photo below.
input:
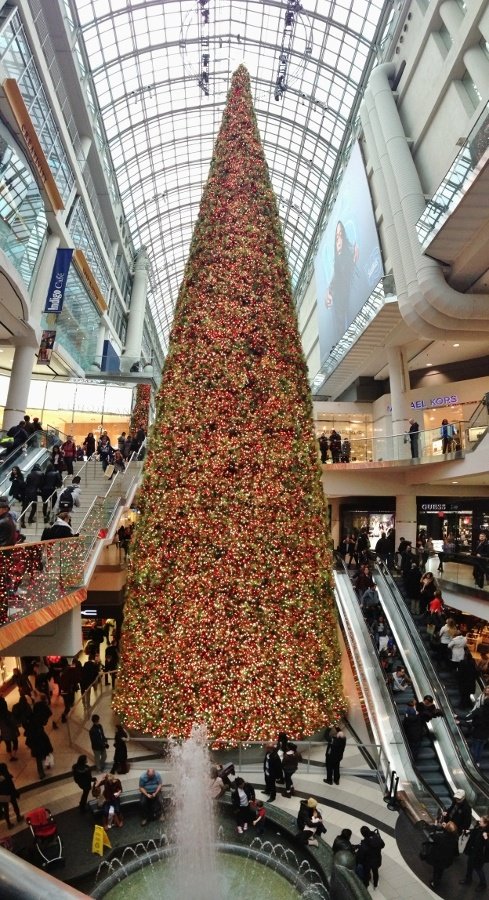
(109, 471)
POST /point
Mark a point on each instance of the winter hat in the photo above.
(312, 803)
(459, 795)
(4, 502)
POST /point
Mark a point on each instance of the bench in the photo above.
(129, 799)
(321, 856)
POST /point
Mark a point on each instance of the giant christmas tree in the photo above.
(229, 616)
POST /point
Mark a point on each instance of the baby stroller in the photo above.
(47, 841)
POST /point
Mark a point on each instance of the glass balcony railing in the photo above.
(35, 575)
(457, 181)
(425, 446)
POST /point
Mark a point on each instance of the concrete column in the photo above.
(335, 519)
(43, 278)
(452, 17)
(406, 518)
(399, 385)
(135, 324)
(478, 68)
(20, 380)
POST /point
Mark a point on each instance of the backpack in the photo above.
(66, 498)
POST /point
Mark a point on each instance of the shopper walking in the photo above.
(477, 853)
(8, 794)
(69, 453)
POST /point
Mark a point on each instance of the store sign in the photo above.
(433, 507)
(57, 285)
(435, 401)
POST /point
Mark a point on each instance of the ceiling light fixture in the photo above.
(429, 364)
(456, 345)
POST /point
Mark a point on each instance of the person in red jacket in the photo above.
(69, 453)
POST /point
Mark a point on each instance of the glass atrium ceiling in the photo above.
(160, 74)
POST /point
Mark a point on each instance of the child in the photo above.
(259, 822)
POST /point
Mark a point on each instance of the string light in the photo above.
(229, 617)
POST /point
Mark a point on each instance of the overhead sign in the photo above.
(435, 401)
(57, 285)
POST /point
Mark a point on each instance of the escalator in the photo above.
(450, 763)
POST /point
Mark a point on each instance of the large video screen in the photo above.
(348, 265)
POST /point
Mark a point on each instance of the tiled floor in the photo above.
(355, 798)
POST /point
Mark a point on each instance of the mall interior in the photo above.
(374, 117)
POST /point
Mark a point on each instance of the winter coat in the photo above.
(37, 740)
(274, 765)
(33, 484)
(477, 847)
(8, 727)
(444, 849)
(335, 748)
(82, 776)
(291, 760)
(480, 722)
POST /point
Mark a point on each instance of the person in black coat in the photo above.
(342, 842)
(119, 764)
(83, 777)
(459, 812)
(38, 742)
(50, 483)
(8, 789)
(17, 485)
(443, 851)
(369, 855)
(335, 749)
(272, 768)
(32, 489)
(477, 852)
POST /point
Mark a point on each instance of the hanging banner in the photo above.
(57, 285)
(46, 346)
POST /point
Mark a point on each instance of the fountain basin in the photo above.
(246, 872)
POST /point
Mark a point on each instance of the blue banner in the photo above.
(56, 292)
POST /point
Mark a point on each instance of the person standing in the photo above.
(369, 855)
(99, 743)
(458, 812)
(8, 790)
(480, 730)
(33, 484)
(17, 485)
(83, 777)
(414, 438)
(272, 768)
(477, 853)
(335, 445)
(68, 449)
(443, 852)
(447, 432)
(9, 731)
(335, 749)
(89, 675)
(323, 447)
(290, 763)
(119, 764)
(481, 554)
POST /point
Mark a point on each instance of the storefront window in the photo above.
(22, 216)
(357, 429)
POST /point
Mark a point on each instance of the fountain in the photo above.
(194, 864)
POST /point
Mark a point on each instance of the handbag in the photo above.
(109, 471)
(96, 791)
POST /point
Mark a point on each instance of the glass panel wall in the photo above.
(22, 216)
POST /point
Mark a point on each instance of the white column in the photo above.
(335, 519)
(478, 67)
(135, 324)
(43, 278)
(406, 518)
(451, 16)
(399, 386)
(20, 380)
